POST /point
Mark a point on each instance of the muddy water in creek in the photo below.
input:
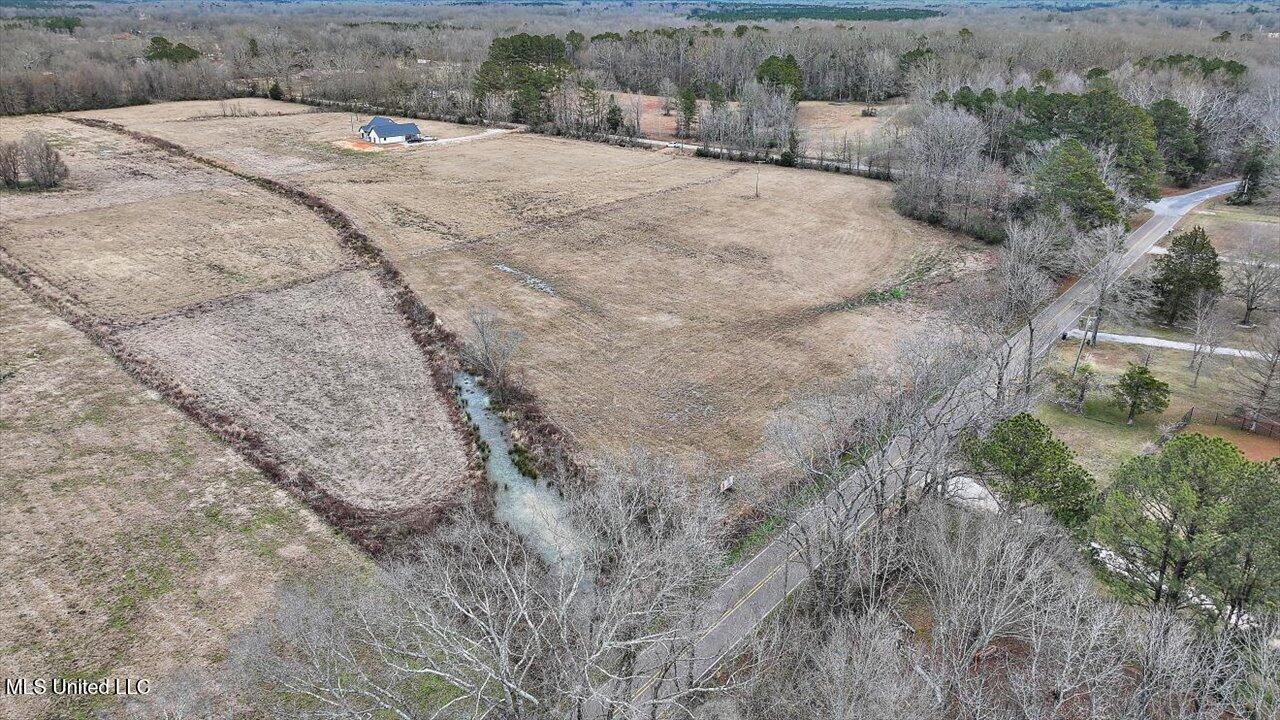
(530, 507)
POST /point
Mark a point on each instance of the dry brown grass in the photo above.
(138, 232)
(661, 303)
(328, 372)
(1232, 229)
(243, 304)
(296, 142)
(132, 542)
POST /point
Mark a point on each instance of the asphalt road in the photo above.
(738, 606)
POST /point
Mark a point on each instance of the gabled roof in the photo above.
(387, 127)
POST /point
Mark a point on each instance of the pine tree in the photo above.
(1190, 267)
(1140, 391)
(1027, 465)
(1164, 516)
(1069, 178)
(1181, 142)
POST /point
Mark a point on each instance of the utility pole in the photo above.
(1090, 320)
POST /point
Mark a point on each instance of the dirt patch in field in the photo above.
(358, 145)
(132, 542)
(1255, 447)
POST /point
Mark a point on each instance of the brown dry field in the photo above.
(132, 542)
(136, 231)
(297, 141)
(327, 371)
(1232, 229)
(183, 252)
(817, 121)
(661, 304)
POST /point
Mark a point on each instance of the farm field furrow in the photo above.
(243, 305)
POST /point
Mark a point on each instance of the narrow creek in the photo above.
(530, 507)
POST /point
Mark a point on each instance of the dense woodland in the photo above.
(1038, 131)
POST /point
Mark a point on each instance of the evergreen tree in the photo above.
(1181, 142)
(1245, 572)
(1164, 516)
(688, 111)
(1252, 181)
(1069, 178)
(1027, 465)
(613, 116)
(1191, 266)
(1140, 391)
(782, 71)
(1102, 118)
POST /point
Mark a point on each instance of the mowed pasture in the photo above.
(661, 303)
(137, 231)
(245, 302)
(132, 542)
(1237, 230)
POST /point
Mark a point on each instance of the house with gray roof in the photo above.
(382, 130)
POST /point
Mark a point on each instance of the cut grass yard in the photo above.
(1100, 438)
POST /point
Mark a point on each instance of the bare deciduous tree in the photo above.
(1254, 279)
(1208, 327)
(474, 612)
(42, 164)
(10, 164)
(1257, 382)
(491, 347)
(1099, 257)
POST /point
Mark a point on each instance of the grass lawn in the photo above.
(1102, 440)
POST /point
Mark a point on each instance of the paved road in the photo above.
(738, 606)
(1162, 343)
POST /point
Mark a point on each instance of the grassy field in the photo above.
(327, 370)
(1233, 229)
(1100, 438)
(132, 542)
(244, 301)
(136, 232)
(660, 302)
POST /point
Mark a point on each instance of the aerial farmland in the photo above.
(660, 302)
(704, 359)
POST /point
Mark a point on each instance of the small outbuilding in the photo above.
(383, 130)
